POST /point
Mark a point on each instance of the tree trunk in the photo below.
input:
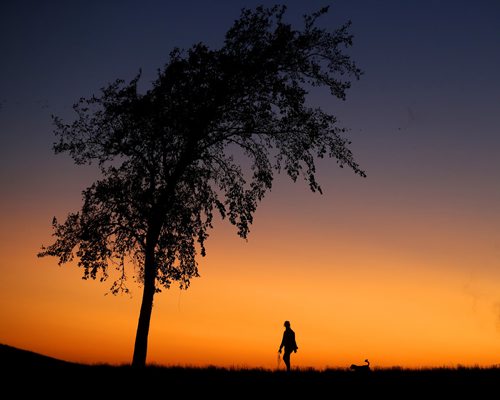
(141, 338)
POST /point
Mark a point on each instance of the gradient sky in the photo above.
(401, 267)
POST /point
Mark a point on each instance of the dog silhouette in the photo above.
(361, 368)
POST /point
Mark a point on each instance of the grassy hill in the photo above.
(12, 357)
(29, 373)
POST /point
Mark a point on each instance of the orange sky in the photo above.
(401, 268)
(396, 288)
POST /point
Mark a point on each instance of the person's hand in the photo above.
(295, 351)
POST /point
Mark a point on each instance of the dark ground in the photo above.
(26, 374)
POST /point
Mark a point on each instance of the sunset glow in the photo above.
(400, 267)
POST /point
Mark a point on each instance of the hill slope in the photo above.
(26, 373)
(13, 357)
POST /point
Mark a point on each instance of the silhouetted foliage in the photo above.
(175, 155)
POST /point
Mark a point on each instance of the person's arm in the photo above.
(282, 343)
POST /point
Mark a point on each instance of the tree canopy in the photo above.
(207, 138)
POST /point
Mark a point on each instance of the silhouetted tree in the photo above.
(172, 157)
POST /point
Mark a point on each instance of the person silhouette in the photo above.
(288, 342)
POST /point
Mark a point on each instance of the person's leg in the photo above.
(286, 359)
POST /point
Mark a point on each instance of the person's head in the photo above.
(287, 324)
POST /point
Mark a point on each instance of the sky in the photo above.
(401, 267)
